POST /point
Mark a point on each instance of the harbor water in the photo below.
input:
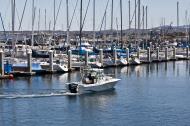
(147, 95)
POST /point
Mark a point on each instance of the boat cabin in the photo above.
(91, 76)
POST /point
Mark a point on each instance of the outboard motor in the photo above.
(73, 88)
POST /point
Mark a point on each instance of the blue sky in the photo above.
(157, 10)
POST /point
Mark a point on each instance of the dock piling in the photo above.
(101, 57)
(69, 59)
(187, 52)
(2, 62)
(157, 53)
(174, 53)
(29, 61)
(138, 53)
(148, 55)
(127, 54)
(51, 60)
(115, 56)
(166, 53)
(86, 58)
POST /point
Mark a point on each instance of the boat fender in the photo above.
(11, 76)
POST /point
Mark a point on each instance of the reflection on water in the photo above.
(146, 95)
(178, 69)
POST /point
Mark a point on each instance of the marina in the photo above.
(94, 63)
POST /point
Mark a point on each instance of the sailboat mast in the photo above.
(39, 15)
(121, 12)
(139, 14)
(112, 16)
(13, 15)
(146, 14)
(68, 27)
(94, 23)
(45, 21)
(177, 13)
(186, 23)
(129, 14)
(135, 22)
(32, 41)
(54, 17)
(80, 36)
(135, 15)
(143, 18)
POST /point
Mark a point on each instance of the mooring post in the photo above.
(127, 55)
(148, 55)
(69, 59)
(51, 60)
(86, 58)
(138, 53)
(115, 56)
(2, 62)
(166, 53)
(174, 53)
(187, 52)
(101, 57)
(157, 53)
(29, 61)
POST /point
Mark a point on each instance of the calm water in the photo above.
(147, 95)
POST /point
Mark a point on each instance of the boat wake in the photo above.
(19, 96)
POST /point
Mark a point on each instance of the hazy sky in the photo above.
(157, 10)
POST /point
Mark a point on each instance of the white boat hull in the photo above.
(56, 67)
(98, 87)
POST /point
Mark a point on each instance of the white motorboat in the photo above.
(134, 61)
(93, 80)
(108, 62)
(122, 61)
(59, 67)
